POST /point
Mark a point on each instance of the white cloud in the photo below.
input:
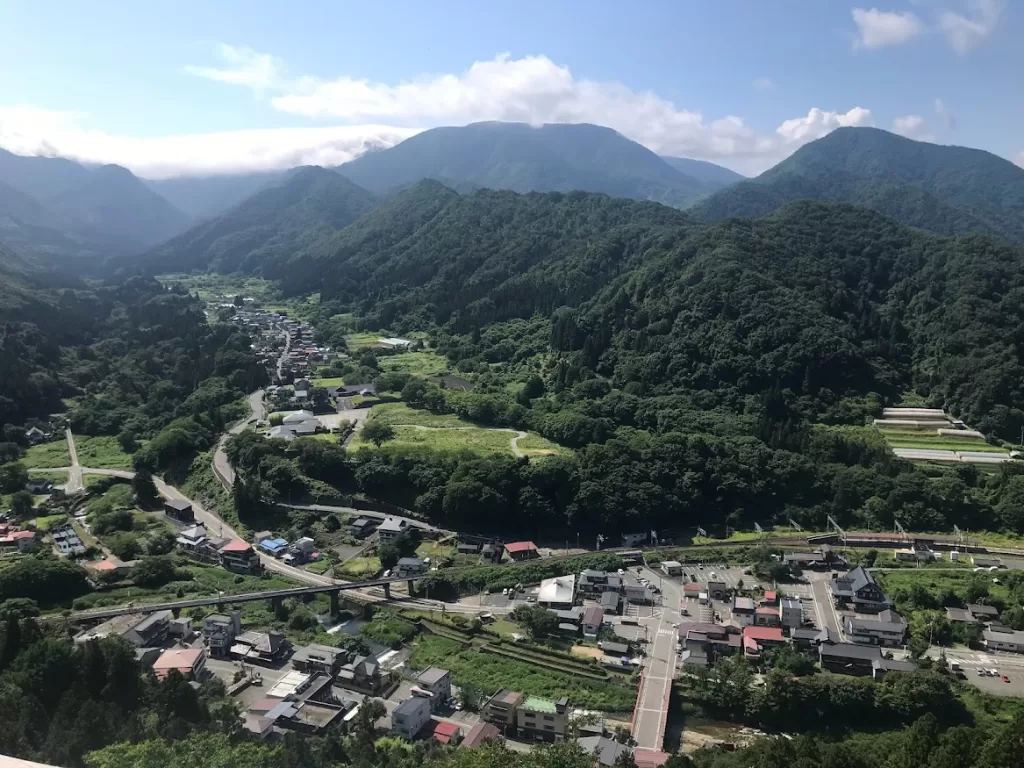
(876, 29)
(243, 67)
(31, 131)
(818, 123)
(764, 84)
(965, 33)
(913, 127)
(946, 114)
(531, 89)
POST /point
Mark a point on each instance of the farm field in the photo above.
(48, 455)
(491, 672)
(101, 453)
(359, 567)
(329, 381)
(416, 363)
(447, 432)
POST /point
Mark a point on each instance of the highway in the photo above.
(659, 665)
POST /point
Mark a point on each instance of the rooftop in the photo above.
(520, 546)
(537, 704)
(480, 733)
(236, 545)
(851, 651)
(560, 589)
(763, 633)
(432, 675)
(507, 697)
(181, 659)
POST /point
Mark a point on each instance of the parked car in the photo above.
(504, 592)
(621, 572)
(1006, 679)
(693, 578)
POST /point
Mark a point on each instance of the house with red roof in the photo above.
(759, 639)
(522, 550)
(767, 616)
(447, 733)
(190, 662)
(238, 556)
(22, 541)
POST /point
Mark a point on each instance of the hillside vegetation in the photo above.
(947, 190)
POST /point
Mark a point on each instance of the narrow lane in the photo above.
(76, 483)
(659, 666)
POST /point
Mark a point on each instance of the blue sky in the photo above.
(200, 87)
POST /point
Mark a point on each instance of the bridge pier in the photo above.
(276, 603)
(176, 612)
(387, 591)
(335, 602)
(412, 586)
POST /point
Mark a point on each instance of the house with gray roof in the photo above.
(858, 587)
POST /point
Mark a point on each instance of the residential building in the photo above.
(593, 582)
(192, 538)
(703, 644)
(809, 638)
(743, 610)
(610, 602)
(913, 555)
(319, 658)
(261, 647)
(362, 674)
(771, 597)
(606, 751)
(39, 486)
(638, 594)
(671, 567)
(501, 709)
(791, 613)
(439, 683)
(557, 593)
(960, 615)
(446, 733)
(983, 612)
(491, 553)
(220, 631)
(65, 538)
(881, 667)
(409, 567)
(849, 658)
(391, 528)
(13, 540)
(522, 550)
(1000, 638)
(363, 527)
(593, 618)
(35, 435)
(615, 651)
(238, 556)
(190, 662)
(275, 547)
(468, 548)
(717, 590)
(810, 560)
(543, 719)
(410, 716)
(858, 587)
(756, 640)
(572, 615)
(767, 616)
(180, 510)
(888, 629)
(151, 631)
(480, 734)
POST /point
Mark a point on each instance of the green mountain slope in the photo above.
(947, 190)
(270, 227)
(523, 158)
(827, 302)
(113, 203)
(41, 177)
(714, 176)
(203, 197)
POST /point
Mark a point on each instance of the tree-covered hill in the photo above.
(944, 189)
(524, 158)
(826, 302)
(268, 228)
(714, 176)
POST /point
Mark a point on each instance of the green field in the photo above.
(415, 363)
(330, 381)
(358, 340)
(101, 453)
(535, 445)
(357, 567)
(48, 455)
(491, 672)
(44, 524)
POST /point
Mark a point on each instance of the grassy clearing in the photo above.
(358, 340)
(330, 381)
(320, 566)
(101, 453)
(416, 363)
(491, 672)
(47, 522)
(747, 536)
(58, 478)
(358, 568)
(399, 413)
(940, 582)
(47, 455)
(535, 445)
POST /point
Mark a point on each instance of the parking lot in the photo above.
(994, 685)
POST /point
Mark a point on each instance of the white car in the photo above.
(621, 572)
(504, 592)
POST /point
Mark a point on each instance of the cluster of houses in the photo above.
(15, 539)
(299, 552)
(297, 424)
(996, 635)
(235, 555)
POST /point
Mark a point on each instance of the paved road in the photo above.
(76, 483)
(221, 466)
(659, 665)
(825, 607)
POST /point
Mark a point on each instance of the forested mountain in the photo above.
(203, 197)
(714, 176)
(944, 189)
(308, 205)
(523, 158)
(76, 216)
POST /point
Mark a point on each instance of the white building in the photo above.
(558, 593)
